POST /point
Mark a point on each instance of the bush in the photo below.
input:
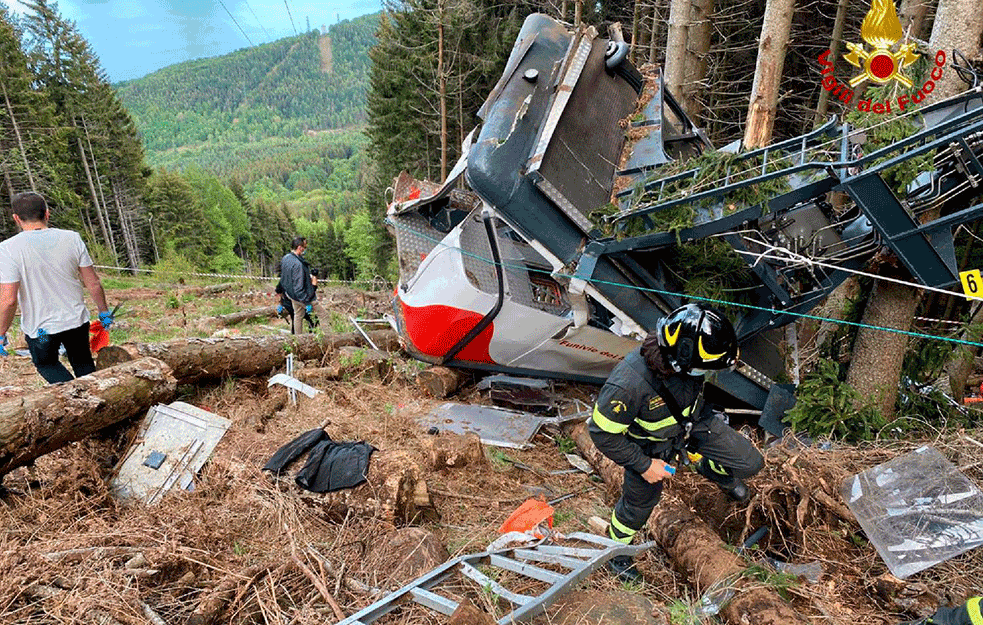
(826, 406)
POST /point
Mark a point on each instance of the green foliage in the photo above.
(566, 444)
(173, 265)
(686, 177)
(711, 268)
(682, 613)
(881, 132)
(781, 582)
(826, 406)
(499, 459)
(280, 89)
(362, 240)
(172, 302)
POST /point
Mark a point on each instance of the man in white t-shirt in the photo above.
(44, 269)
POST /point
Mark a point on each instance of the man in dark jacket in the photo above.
(295, 276)
(651, 410)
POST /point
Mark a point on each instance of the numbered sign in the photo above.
(972, 283)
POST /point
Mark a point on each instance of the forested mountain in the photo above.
(297, 85)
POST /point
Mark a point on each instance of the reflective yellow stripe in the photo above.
(704, 354)
(973, 606)
(620, 527)
(672, 338)
(656, 439)
(612, 427)
(716, 468)
(686, 411)
(658, 425)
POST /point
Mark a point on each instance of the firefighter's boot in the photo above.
(967, 614)
(734, 487)
(624, 569)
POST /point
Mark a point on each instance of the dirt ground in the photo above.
(242, 548)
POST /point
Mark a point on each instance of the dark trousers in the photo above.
(728, 453)
(44, 354)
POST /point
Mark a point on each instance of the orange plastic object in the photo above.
(99, 336)
(527, 516)
(972, 400)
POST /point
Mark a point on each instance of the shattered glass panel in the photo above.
(918, 510)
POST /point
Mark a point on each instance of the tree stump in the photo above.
(439, 381)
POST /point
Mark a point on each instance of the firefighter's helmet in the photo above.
(694, 338)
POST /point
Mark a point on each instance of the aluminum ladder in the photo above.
(579, 562)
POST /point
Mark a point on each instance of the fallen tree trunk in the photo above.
(222, 321)
(197, 359)
(40, 422)
(696, 550)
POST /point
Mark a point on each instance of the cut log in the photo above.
(197, 359)
(439, 381)
(112, 355)
(40, 422)
(697, 551)
(221, 321)
(388, 494)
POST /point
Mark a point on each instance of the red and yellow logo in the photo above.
(881, 29)
(880, 63)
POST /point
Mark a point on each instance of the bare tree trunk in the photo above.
(50, 418)
(222, 321)
(654, 30)
(878, 355)
(442, 87)
(128, 240)
(768, 72)
(636, 14)
(20, 141)
(578, 7)
(960, 365)
(95, 198)
(105, 207)
(958, 25)
(912, 14)
(822, 108)
(679, 21)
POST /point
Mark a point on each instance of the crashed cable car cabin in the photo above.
(559, 256)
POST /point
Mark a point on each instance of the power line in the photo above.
(236, 22)
(258, 20)
(291, 16)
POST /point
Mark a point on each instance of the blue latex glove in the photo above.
(309, 308)
(106, 318)
(42, 337)
(279, 309)
(3, 345)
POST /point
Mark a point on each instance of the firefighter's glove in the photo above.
(106, 319)
(279, 309)
(309, 308)
(3, 345)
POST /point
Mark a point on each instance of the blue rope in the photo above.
(489, 261)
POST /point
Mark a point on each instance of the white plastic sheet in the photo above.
(917, 510)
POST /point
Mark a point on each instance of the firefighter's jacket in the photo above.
(632, 424)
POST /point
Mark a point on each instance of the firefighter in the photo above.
(968, 613)
(650, 411)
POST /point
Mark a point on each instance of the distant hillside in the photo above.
(286, 88)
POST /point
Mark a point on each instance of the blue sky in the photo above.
(135, 37)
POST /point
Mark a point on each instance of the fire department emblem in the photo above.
(881, 29)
